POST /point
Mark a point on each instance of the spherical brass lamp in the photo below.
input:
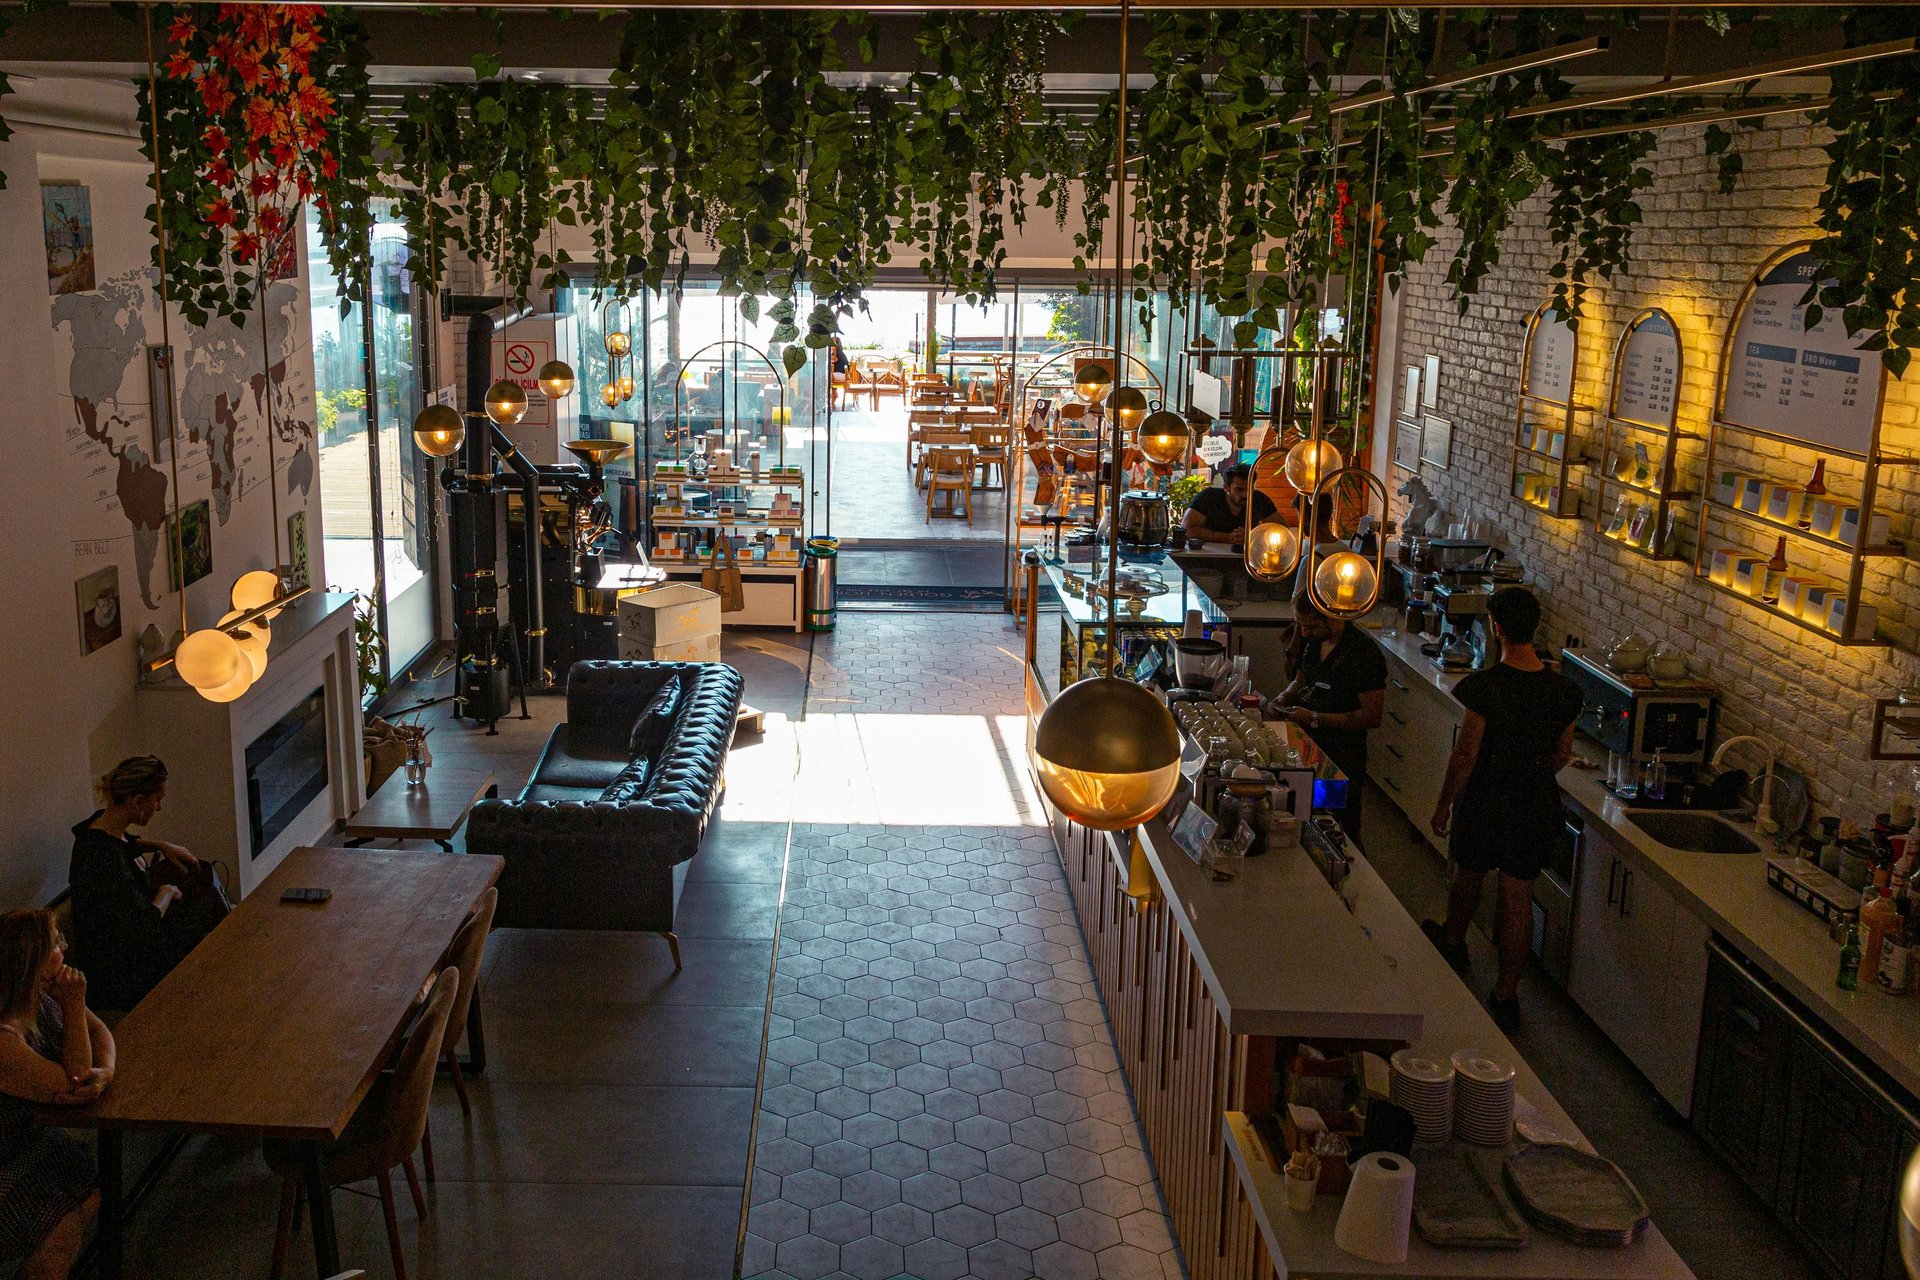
(556, 379)
(232, 688)
(1130, 406)
(438, 431)
(626, 386)
(506, 403)
(618, 344)
(1272, 551)
(1308, 461)
(209, 659)
(1092, 381)
(253, 640)
(610, 395)
(1163, 439)
(1345, 583)
(1107, 753)
(1909, 1211)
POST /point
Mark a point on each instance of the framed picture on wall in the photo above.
(1406, 444)
(1410, 396)
(1436, 440)
(1430, 385)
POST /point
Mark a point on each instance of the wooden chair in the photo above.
(465, 953)
(943, 433)
(390, 1124)
(990, 452)
(887, 381)
(950, 471)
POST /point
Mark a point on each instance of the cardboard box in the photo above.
(1785, 503)
(1859, 627)
(1793, 593)
(705, 649)
(1747, 573)
(1752, 496)
(1726, 489)
(1813, 602)
(671, 615)
(1720, 566)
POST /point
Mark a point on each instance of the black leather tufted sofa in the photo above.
(601, 836)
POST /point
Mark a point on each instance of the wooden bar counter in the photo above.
(1204, 981)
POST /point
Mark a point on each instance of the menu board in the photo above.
(1646, 379)
(1806, 384)
(1549, 371)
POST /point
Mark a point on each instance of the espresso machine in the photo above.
(1466, 632)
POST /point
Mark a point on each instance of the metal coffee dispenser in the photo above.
(1636, 721)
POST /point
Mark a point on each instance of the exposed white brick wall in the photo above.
(1693, 255)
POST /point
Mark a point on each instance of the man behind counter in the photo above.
(1219, 516)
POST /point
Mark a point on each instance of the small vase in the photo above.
(416, 763)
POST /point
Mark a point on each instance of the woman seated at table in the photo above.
(52, 1051)
(1219, 516)
(139, 904)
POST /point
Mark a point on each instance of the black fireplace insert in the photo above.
(286, 769)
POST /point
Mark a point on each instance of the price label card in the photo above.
(1646, 381)
(1549, 373)
(1813, 385)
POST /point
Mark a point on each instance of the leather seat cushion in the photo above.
(562, 770)
(654, 728)
(546, 791)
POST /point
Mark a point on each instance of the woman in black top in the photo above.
(1337, 695)
(132, 927)
(1515, 738)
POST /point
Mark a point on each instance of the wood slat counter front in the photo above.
(1203, 982)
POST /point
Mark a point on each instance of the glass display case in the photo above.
(1154, 599)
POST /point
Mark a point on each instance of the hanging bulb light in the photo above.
(506, 403)
(260, 587)
(1163, 439)
(1107, 753)
(253, 640)
(209, 659)
(1092, 380)
(1310, 460)
(626, 386)
(1272, 550)
(610, 395)
(438, 431)
(1345, 582)
(1130, 406)
(556, 379)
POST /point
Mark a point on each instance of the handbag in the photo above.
(724, 580)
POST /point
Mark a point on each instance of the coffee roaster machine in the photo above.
(528, 547)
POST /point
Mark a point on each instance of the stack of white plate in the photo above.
(1483, 1098)
(1424, 1087)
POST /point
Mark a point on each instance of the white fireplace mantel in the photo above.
(204, 743)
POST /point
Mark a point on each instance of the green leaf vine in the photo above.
(1593, 210)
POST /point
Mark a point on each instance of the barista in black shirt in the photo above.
(1220, 515)
(1337, 695)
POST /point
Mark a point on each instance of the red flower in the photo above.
(219, 213)
(246, 247)
(179, 66)
(329, 167)
(181, 30)
(216, 139)
(261, 184)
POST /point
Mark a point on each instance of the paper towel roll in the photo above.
(1378, 1209)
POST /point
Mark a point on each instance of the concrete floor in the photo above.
(874, 497)
(612, 1134)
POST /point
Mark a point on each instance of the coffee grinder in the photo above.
(1197, 666)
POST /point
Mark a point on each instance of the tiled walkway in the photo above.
(941, 1095)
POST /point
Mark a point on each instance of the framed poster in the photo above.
(1436, 440)
(1406, 444)
(1410, 397)
(1812, 385)
(1646, 371)
(1551, 350)
(97, 602)
(66, 213)
(1430, 385)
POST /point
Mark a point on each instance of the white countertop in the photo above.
(1730, 894)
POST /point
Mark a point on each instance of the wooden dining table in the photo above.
(279, 1022)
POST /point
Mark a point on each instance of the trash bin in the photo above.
(823, 556)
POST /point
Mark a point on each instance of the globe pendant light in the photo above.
(506, 403)
(209, 659)
(1106, 751)
(232, 689)
(252, 639)
(1162, 438)
(556, 379)
(610, 395)
(1130, 406)
(254, 589)
(1308, 461)
(1272, 550)
(439, 431)
(1347, 584)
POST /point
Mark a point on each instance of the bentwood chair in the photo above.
(382, 1136)
(950, 471)
(465, 952)
(990, 445)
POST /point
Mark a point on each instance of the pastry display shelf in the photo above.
(731, 479)
(1877, 640)
(749, 521)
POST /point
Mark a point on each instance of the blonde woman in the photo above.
(53, 1050)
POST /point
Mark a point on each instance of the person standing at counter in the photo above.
(1219, 516)
(1515, 738)
(1338, 693)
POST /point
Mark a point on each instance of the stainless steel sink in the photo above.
(1691, 832)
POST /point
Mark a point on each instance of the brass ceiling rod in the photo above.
(1719, 79)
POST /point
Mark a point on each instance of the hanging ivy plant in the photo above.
(1869, 209)
(1593, 210)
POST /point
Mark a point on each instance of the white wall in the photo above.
(70, 716)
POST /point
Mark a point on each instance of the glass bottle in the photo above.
(1655, 787)
(1848, 978)
(1816, 489)
(1776, 571)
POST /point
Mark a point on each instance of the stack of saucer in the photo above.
(1424, 1088)
(1483, 1097)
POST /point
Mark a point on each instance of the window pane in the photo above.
(340, 387)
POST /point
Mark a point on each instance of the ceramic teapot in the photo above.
(1667, 663)
(1628, 654)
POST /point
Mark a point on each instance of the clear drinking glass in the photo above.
(416, 762)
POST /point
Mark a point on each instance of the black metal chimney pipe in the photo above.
(486, 316)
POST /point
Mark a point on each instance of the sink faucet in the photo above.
(1763, 815)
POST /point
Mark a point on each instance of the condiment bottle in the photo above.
(1848, 978)
(1877, 917)
(1895, 974)
(1776, 571)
